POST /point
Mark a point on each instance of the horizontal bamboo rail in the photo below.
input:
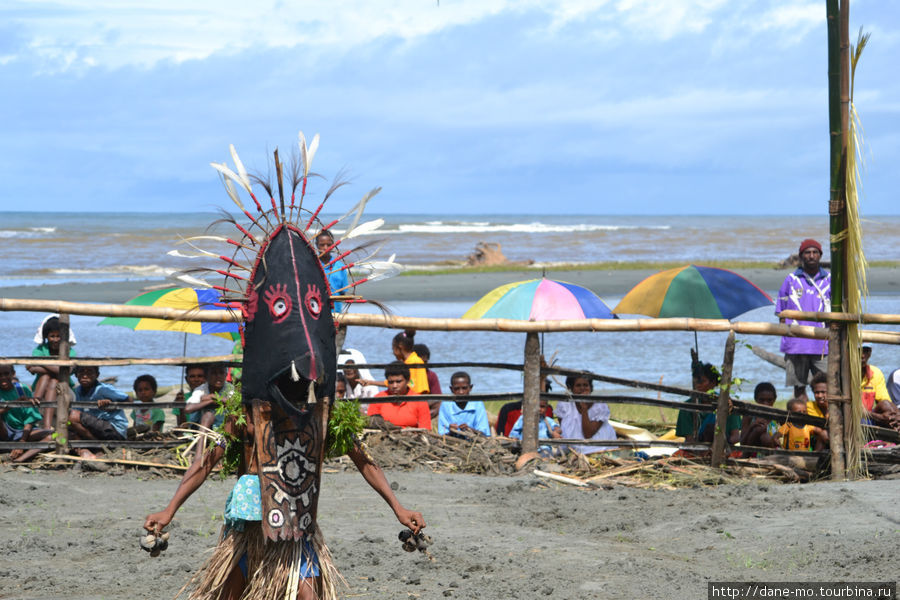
(799, 315)
(231, 359)
(429, 324)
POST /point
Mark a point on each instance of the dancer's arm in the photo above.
(193, 479)
(374, 476)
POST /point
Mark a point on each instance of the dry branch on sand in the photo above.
(419, 449)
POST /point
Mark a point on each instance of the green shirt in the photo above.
(17, 417)
(44, 350)
(148, 416)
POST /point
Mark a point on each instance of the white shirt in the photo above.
(570, 423)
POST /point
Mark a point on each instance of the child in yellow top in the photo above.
(794, 437)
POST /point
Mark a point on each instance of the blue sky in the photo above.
(488, 106)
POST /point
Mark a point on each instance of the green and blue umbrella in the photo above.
(188, 299)
(693, 291)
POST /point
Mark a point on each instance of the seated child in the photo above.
(760, 431)
(584, 420)
(401, 414)
(194, 376)
(201, 407)
(462, 415)
(818, 406)
(798, 437)
(548, 428)
(46, 381)
(146, 419)
(704, 378)
(340, 386)
(102, 423)
(17, 423)
(510, 412)
(204, 399)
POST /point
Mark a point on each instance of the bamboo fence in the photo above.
(530, 396)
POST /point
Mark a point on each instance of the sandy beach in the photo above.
(73, 535)
(452, 286)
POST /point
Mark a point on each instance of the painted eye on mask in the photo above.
(313, 301)
(278, 301)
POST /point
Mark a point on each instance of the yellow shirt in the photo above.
(873, 388)
(795, 438)
(812, 409)
(418, 380)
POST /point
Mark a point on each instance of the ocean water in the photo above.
(63, 247)
(60, 248)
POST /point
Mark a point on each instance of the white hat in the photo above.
(39, 336)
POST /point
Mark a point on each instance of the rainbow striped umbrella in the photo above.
(539, 300)
(181, 299)
(693, 291)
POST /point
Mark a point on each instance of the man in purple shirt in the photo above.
(807, 289)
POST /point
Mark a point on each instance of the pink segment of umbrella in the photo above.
(539, 300)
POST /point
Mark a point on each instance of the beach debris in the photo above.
(490, 254)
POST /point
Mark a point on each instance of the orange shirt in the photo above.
(404, 414)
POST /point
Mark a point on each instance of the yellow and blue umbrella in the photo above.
(693, 291)
(539, 300)
(180, 299)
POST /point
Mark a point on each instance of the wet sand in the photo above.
(70, 535)
(454, 286)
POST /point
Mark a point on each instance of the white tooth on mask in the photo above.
(294, 374)
(311, 399)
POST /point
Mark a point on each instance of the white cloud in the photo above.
(111, 33)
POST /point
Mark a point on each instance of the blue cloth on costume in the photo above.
(245, 504)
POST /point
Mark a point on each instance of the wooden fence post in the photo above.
(62, 398)
(835, 407)
(531, 397)
(724, 406)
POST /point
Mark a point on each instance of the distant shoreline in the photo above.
(449, 286)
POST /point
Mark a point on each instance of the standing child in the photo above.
(46, 380)
(794, 437)
(146, 419)
(17, 422)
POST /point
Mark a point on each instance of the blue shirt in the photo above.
(116, 417)
(474, 415)
(544, 426)
(336, 281)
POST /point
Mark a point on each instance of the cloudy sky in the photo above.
(472, 107)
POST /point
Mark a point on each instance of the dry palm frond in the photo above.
(856, 285)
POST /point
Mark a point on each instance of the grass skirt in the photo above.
(273, 568)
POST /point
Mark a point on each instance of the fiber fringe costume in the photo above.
(274, 272)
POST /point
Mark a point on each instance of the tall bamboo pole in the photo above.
(531, 394)
(838, 123)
